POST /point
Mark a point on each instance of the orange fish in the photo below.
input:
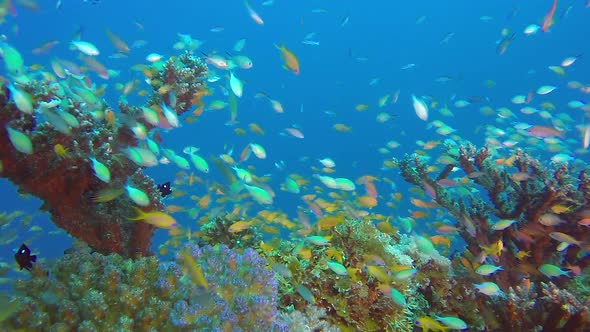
(204, 201)
(255, 128)
(367, 201)
(117, 41)
(548, 20)
(446, 229)
(329, 222)
(291, 61)
(199, 110)
(371, 189)
(109, 116)
(422, 204)
(441, 240)
(418, 214)
(239, 226)
(342, 128)
(45, 47)
(386, 227)
(245, 153)
(305, 253)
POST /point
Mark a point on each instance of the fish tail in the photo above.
(140, 214)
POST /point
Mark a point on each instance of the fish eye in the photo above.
(22, 251)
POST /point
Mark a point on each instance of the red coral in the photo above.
(67, 185)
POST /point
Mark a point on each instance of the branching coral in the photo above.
(526, 306)
(541, 199)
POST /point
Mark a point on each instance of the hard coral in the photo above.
(242, 293)
(92, 290)
(216, 231)
(180, 83)
(358, 300)
(66, 185)
(554, 191)
(66, 182)
(111, 293)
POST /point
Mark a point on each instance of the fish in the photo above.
(85, 47)
(552, 271)
(504, 43)
(138, 196)
(117, 41)
(165, 189)
(487, 269)
(24, 258)
(239, 226)
(237, 87)
(429, 324)
(253, 15)
(260, 195)
(45, 47)
(193, 269)
(420, 108)
(290, 59)
(337, 268)
(107, 195)
(488, 288)
(548, 20)
(544, 132)
(20, 141)
(156, 218)
(454, 323)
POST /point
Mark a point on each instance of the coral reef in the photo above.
(543, 202)
(543, 205)
(242, 293)
(361, 299)
(90, 291)
(71, 124)
(526, 306)
(217, 231)
(180, 82)
(96, 292)
(313, 319)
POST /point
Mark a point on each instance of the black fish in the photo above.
(24, 258)
(165, 189)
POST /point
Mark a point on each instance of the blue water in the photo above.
(379, 38)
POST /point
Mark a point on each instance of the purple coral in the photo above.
(242, 292)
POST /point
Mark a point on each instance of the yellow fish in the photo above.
(60, 151)
(155, 218)
(194, 270)
(239, 226)
(291, 61)
(430, 324)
